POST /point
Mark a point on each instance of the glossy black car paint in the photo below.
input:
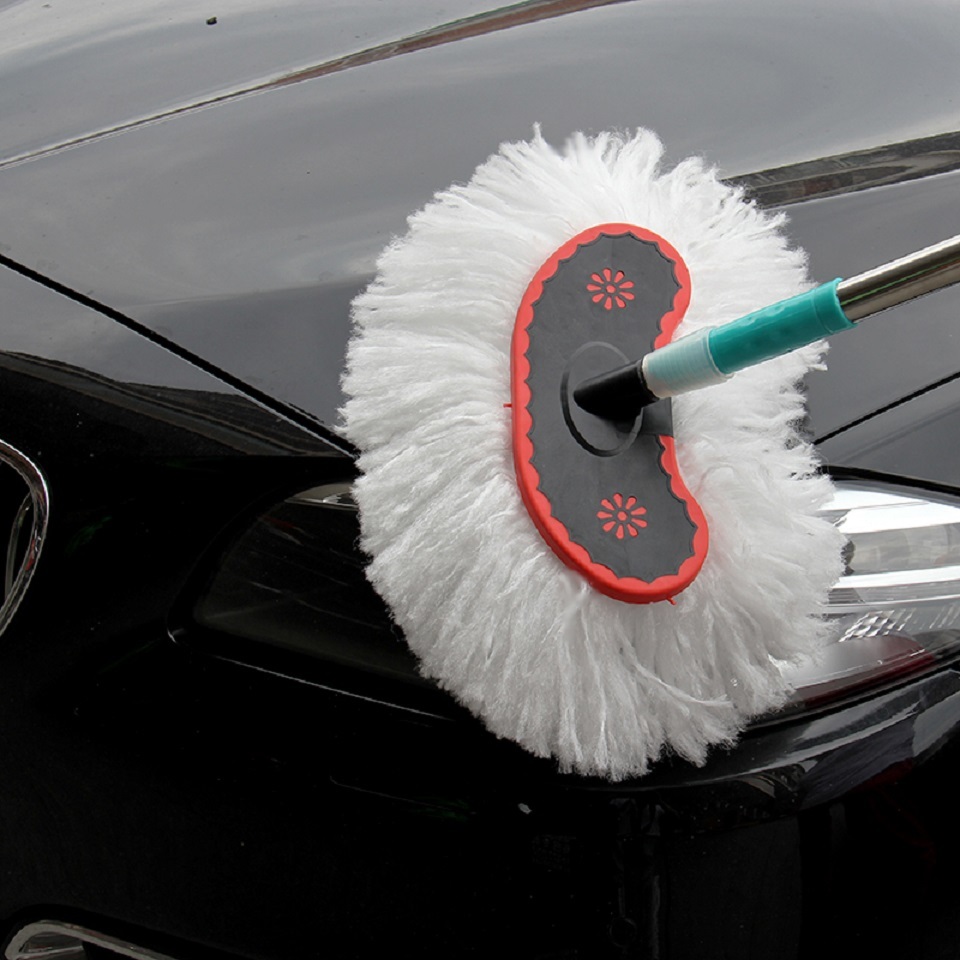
(225, 188)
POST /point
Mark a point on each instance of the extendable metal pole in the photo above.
(900, 280)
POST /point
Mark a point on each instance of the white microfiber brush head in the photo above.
(492, 612)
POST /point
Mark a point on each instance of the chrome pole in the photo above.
(900, 280)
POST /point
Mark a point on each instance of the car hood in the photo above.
(227, 177)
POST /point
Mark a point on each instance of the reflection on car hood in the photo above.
(133, 63)
(229, 184)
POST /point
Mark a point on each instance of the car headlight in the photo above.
(294, 580)
(896, 610)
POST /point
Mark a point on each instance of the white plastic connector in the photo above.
(682, 365)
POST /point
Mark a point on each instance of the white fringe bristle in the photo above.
(494, 616)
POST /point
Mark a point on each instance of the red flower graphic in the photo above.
(621, 516)
(611, 289)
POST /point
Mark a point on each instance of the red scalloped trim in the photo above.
(627, 589)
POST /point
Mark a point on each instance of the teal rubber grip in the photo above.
(777, 329)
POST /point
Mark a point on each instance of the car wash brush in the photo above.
(600, 587)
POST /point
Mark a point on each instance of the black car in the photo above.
(213, 742)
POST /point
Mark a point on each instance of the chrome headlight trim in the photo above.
(35, 510)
